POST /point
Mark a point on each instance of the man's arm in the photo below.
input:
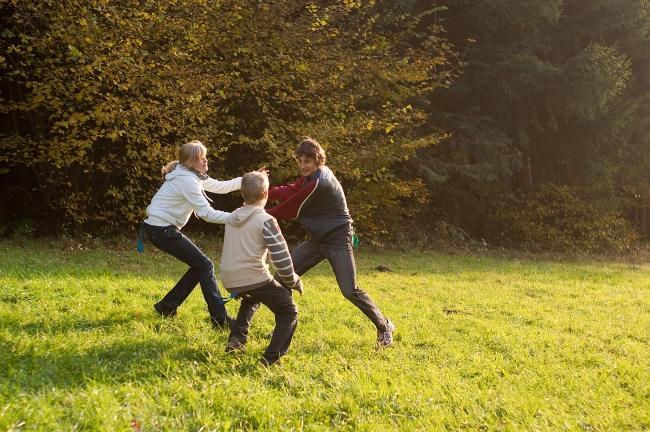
(290, 207)
(280, 256)
(284, 192)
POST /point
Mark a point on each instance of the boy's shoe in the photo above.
(385, 338)
(162, 311)
(234, 345)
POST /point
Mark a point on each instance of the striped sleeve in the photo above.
(279, 253)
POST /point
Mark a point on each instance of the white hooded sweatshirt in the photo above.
(182, 193)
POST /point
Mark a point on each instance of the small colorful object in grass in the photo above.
(355, 241)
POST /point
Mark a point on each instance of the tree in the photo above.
(99, 94)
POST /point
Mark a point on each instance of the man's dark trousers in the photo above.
(337, 249)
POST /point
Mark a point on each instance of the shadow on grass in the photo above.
(34, 357)
(114, 363)
(77, 325)
(32, 362)
(43, 262)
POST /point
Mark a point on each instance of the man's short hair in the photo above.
(253, 186)
(310, 148)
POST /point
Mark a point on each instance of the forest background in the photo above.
(513, 123)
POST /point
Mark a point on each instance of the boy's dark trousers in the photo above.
(169, 239)
(279, 300)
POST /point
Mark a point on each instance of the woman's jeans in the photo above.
(169, 239)
(336, 248)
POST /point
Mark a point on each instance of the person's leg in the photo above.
(305, 256)
(171, 240)
(177, 295)
(239, 327)
(340, 255)
(279, 300)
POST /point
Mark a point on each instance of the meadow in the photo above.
(483, 343)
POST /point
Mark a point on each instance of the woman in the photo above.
(318, 201)
(180, 195)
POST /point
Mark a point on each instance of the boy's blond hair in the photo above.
(253, 186)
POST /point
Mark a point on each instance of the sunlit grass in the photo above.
(482, 343)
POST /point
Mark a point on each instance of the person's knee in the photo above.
(289, 311)
(205, 265)
(292, 310)
(350, 292)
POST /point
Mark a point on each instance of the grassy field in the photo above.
(483, 343)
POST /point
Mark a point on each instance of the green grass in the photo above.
(483, 343)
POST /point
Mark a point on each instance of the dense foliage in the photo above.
(428, 110)
(99, 94)
(553, 92)
(550, 217)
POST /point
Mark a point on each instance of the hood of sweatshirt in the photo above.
(240, 216)
(179, 171)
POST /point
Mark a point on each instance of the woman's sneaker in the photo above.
(162, 311)
(385, 338)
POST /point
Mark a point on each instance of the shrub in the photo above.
(98, 95)
(549, 218)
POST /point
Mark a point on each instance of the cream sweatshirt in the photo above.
(252, 235)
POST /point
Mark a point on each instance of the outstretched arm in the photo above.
(290, 206)
(221, 187)
(197, 200)
(286, 191)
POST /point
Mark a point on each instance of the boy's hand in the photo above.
(264, 171)
(297, 284)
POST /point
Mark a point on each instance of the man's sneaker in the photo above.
(234, 345)
(164, 312)
(385, 338)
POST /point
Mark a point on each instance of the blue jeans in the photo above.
(336, 248)
(169, 239)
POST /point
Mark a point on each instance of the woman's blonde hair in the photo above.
(189, 152)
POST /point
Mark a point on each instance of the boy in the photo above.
(251, 234)
(318, 201)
